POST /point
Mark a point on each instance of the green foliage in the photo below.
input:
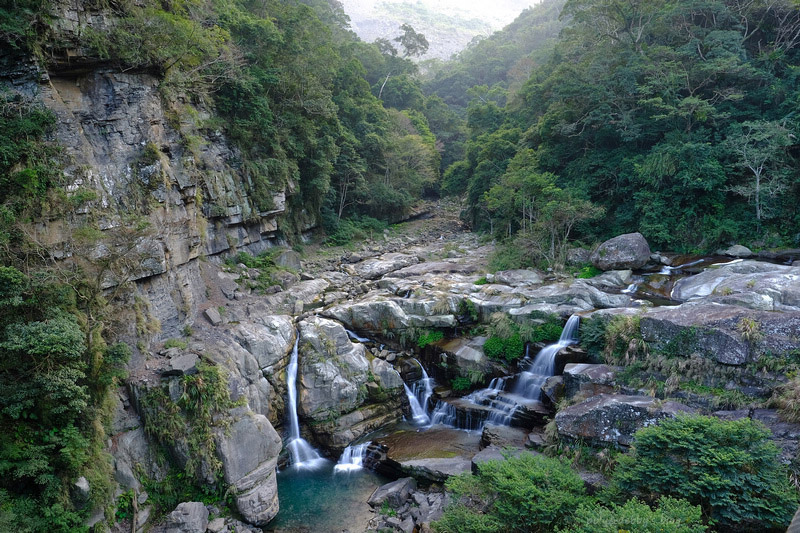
(623, 340)
(525, 493)
(588, 271)
(355, 228)
(176, 343)
(548, 332)
(429, 337)
(54, 379)
(481, 281)
(460, 384)
(124, 506)
(671, 516)
(730, 469)
(28, 166)
(787, 399)
(193, 419)
(659, 120)
(494, 348)
(467, 310)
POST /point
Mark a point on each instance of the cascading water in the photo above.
(352, 458)
(303, 455)
(418, 396)
(529, 384)
(356, 337)
(470, 412)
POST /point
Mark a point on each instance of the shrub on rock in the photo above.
(730, 468)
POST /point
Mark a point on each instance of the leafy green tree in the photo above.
(730, 469)
(528, 493)
(671, 516)
(758, 146)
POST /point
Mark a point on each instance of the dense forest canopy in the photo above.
(678, 119)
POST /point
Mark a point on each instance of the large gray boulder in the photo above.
(332, 369)
(269, 340)
(729, 334)
(375, 316)
(737, 250)
(589, 379)
(516, 278)
(754, 284)
(375, 267)
(613, 418)
(188, 517)
(249, 450)
(628, 251)
(394, 493)
(466, 355)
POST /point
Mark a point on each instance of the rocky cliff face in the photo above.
(162, 194)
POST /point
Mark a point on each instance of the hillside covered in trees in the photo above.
(675, 119)
(155, 154)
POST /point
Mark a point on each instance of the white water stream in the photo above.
(303, 455)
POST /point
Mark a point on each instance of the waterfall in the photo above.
(423, 389)
(530, 381)
(302, 453)
(418, 414)
(418, 396)
(353, 335)
(352, 458)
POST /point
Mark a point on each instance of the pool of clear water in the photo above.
(324, 501)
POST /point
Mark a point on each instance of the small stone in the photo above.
(216, 525)
(143, 516)
(81, 491)
(142, 497)
(213, 316)
(183, 365)
(391, 357)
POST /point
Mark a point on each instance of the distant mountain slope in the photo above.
(449, 25)
(506, 57)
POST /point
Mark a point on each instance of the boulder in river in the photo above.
(613, 418)
(628, 251)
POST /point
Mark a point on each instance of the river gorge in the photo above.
(331, 359)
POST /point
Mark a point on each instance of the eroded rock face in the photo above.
(753, 284)
(729, 334)
(628, 251)
(249, 452)
(332, 369)
(269, 341)
(613, 418)
(341, 390)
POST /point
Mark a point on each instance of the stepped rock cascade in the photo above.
(352, 458)
(497, 405)
(303, 455)
(529, 384)
(418, 396)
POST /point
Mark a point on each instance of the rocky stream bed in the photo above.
(430, 275)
